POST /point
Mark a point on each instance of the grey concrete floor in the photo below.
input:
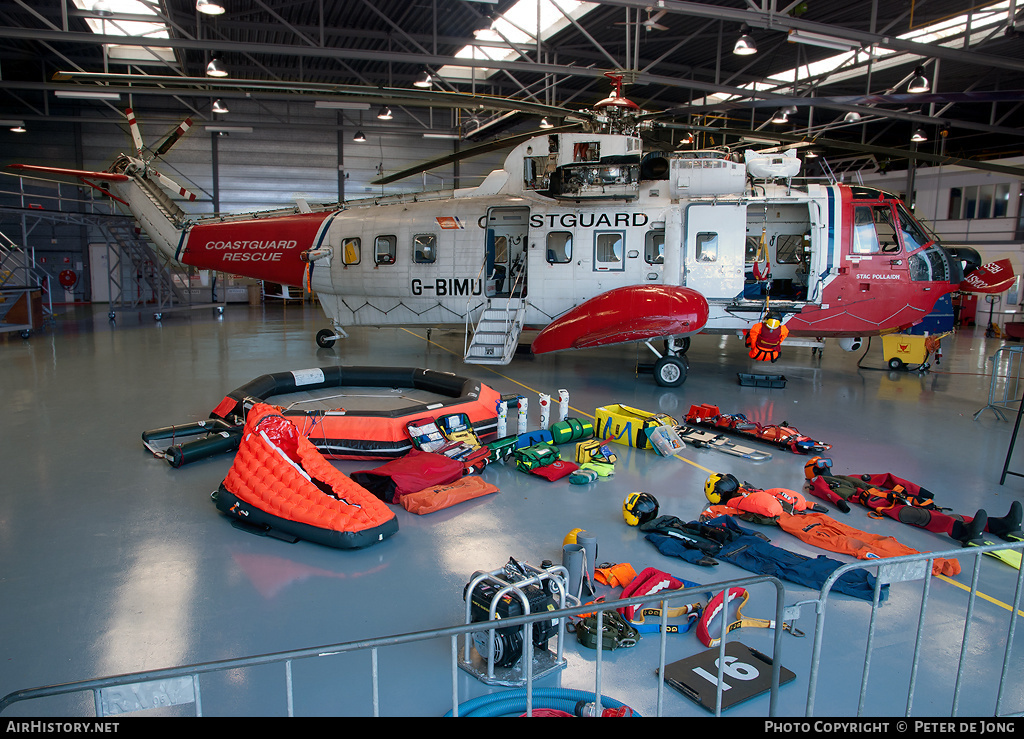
(114, 562)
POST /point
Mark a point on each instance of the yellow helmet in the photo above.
(719, 487)
(570, 538)
(639, 508)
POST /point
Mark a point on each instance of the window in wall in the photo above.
(608, 246)
(424, 248)
(985, 195)
(970, 202)
(654, 247)
(350, 251)
(707, 247)
(559, 247)
(385, 249)
(1001, 201)
(956, 203)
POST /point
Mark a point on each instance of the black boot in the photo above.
(1008, 527)
(970, 533)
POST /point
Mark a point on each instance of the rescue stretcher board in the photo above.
(707, 440)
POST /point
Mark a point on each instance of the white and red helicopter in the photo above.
(585, 235)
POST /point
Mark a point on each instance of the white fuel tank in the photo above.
(772, 166)
(701, 173)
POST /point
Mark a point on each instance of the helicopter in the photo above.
(584, 235)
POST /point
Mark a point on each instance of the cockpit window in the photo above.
(914, 236)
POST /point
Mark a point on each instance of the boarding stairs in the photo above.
(496, 334)
(139, 277)
(19, 274)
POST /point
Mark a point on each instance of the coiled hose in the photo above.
(513, 702)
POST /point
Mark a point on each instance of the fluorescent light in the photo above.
(228, 129)
(819, 39)
(10, 122)
(87, 95)
(341, 105)
(441, 136)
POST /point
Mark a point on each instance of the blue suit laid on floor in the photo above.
(752, 553)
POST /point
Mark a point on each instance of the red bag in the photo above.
(409, 474)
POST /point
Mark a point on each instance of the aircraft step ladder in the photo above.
(496, 335)
(133, 256)
(19, 272)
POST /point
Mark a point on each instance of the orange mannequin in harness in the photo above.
(766, 337)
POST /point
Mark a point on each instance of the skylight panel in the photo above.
(113, 26)
(518, 25)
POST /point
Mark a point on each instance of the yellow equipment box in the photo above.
(626, 425)
(900, 349)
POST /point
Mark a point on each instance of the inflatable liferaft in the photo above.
(280, 484)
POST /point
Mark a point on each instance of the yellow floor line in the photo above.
(981, 595)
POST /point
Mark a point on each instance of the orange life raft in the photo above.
(367, 434)
(281, 485)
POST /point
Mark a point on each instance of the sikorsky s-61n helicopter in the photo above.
(586, 235)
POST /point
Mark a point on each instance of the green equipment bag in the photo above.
(538, 455)
(571, 429)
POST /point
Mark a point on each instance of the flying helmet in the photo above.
(719, 487)
(773, 320)
(817, 466)
(639, 508)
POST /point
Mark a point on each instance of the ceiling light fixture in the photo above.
(851, 117)
(919, 83)
(360, 137)
(783, 114)
(340, 105)
(385, 114)
(102, 8)
(745, 45)
(209, 8)
(545, 123)
(18, 129)
(87, 95)
(424, 80)
(820, 39)
(216, 67)
(919, 136)
(219, 107)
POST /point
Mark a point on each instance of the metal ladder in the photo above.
(134, 256)
(496, 334)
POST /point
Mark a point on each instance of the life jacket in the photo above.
(766, 342)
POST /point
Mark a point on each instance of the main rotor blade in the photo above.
(375, 95)
(505, 143)
(916, 156)
(133, 126)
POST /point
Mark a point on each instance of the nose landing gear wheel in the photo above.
(325, 338)
(671, 371)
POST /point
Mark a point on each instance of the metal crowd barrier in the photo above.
(182, 685)
(1006, 365)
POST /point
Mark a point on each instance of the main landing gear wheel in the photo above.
(325, 338)
(671, 371)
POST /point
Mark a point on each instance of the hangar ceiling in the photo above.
(822, 59)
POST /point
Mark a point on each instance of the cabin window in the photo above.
(707, 247)
(559, 247)
(654, 247)
(885, 229)
(608, 248)
(385, 249)
(586, 151)
(865, 240)
(424, 249)
(350, 251)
